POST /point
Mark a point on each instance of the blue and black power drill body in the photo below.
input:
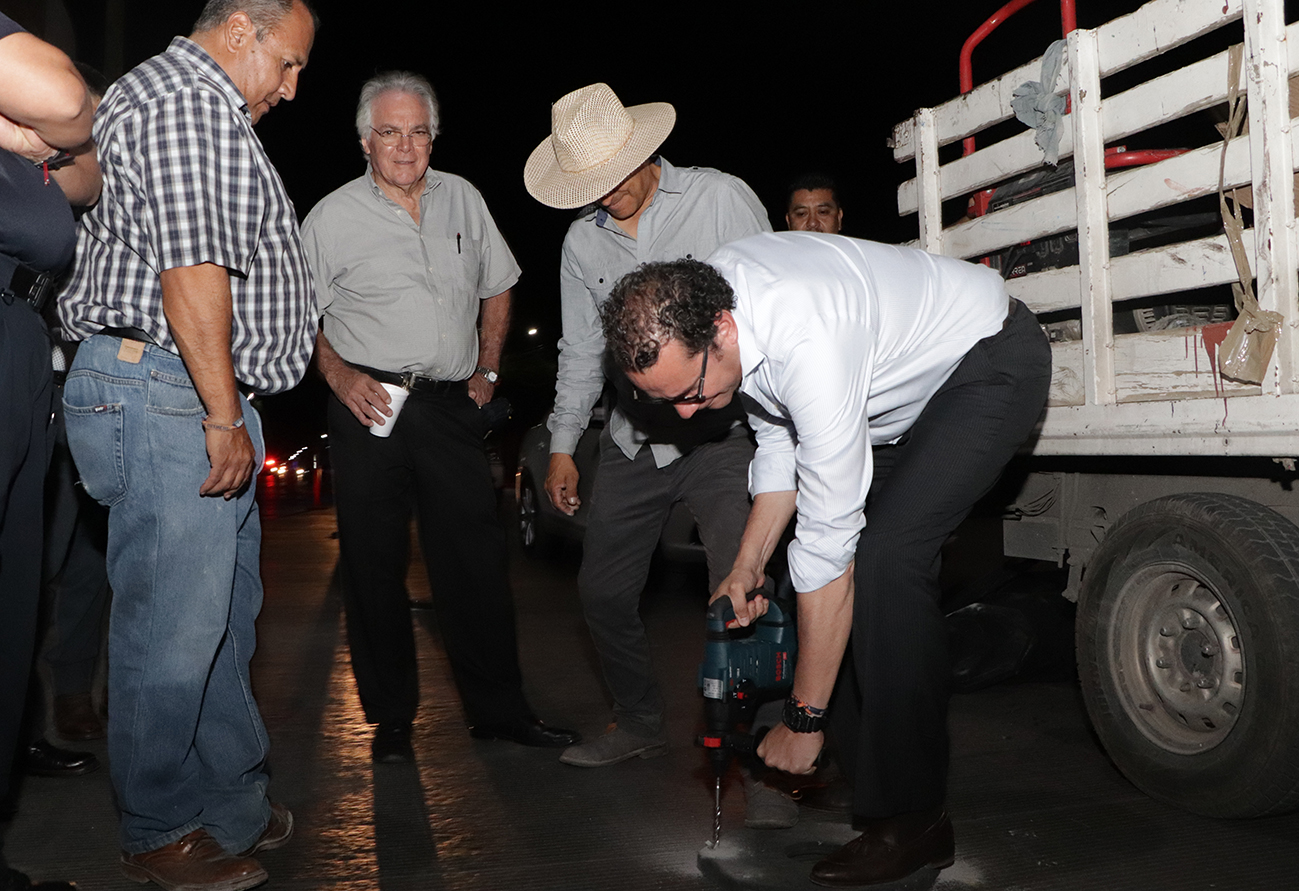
(742, 668)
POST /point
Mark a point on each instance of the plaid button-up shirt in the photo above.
(186, 182)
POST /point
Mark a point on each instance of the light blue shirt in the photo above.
(695, 211)
(842, 344)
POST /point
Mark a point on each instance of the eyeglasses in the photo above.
(697, 398)
(419, 139)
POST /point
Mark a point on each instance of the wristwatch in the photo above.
(55, 161)
(801, 717)
(492, 376)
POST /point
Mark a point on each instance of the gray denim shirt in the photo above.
(695, 211)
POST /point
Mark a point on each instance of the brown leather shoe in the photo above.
(194, 863)
(890, 850)
(278, 831)
(75, 718)
(834, 796)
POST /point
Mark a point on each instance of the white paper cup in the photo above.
(398, 395)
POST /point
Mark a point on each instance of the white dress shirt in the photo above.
(842, 343)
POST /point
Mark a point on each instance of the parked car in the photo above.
(542, 526)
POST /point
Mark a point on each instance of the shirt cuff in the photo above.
(768, 475)
(816, 565)
(564, 441)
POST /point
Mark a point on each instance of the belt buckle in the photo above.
(40, 291)
(407, 380)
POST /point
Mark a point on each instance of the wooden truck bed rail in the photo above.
(1153, 392)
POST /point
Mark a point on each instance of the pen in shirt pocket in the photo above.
(457, 242)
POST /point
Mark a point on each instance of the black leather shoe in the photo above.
(75, 717)
(391, 744)
(527, 732)
(44, 759)
(890, 850)
(13, 880)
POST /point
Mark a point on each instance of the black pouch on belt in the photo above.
(37, 288)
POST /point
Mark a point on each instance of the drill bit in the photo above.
(717, 813)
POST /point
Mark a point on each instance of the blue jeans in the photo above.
(186, 743)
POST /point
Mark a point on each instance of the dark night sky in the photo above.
(762, 91)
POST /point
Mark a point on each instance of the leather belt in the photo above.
(1010, 313)
(139, 334)
(128, 333)
(416, 383)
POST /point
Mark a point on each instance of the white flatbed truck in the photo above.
(1168, 489)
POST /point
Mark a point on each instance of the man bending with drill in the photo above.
(887, 388)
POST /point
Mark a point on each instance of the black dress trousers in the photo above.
(435, 463)
(889, 713)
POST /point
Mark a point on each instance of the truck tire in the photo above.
(1188, 653)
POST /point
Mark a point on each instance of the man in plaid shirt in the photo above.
(192, 291)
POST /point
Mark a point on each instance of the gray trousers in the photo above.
(629, 506)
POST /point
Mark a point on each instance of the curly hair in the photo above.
(657, 302)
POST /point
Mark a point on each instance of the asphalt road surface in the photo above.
(1035, 802)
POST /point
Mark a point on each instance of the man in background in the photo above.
(812, 205)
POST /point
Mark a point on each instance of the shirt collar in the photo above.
(669, 178)
(669, 183)
(207, 66)
(432, 179)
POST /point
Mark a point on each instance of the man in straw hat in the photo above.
(601, 156)
(407, 260)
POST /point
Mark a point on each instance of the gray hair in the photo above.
(264, 14)
(395, 82)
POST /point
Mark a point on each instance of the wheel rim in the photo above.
(528, 516)
(1177, 660)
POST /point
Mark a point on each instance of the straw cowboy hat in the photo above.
(595, 143)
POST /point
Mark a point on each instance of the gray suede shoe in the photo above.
(767, 808)
(614, 745)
